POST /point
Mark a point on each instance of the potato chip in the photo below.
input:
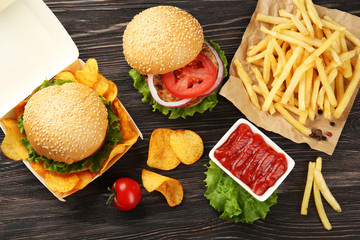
(169, 187)
(91, 65)
(39, 168)
(19, 109)
(126, 129)
(66, 75)
(11, 146)
(85, 177)
(131, 141)
(86, 78)
(161, 155)
(112, 91)
(61, 182)
(102, 85)
(187, 145)
(115, 154)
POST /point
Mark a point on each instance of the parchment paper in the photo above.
(235, 92)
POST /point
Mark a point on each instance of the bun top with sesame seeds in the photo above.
(66, 123)
(162, 39)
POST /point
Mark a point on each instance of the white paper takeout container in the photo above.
(269, 191)
(34, 47)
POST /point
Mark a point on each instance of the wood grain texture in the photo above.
(29, 211)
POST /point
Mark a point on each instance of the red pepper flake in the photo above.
(329, 134)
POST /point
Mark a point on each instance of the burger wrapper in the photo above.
(77, 65)
(235, 91)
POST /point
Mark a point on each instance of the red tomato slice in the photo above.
(192, 80)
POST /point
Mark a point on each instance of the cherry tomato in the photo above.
(125, 194)
(192, 80)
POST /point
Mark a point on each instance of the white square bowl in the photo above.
(269, 191)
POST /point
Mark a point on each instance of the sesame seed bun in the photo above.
(162, 39)
(66, 123)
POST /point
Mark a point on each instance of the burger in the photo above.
(68, 127)
(174, 67)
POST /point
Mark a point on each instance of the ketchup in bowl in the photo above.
(252, 159)
(248, 157)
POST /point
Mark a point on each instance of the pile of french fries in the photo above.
(316, 181)
(302, 65)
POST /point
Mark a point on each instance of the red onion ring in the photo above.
(156, 97)
(220, 75)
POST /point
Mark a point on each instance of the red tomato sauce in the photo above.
(248, 157)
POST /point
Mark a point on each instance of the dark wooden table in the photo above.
(29, 211)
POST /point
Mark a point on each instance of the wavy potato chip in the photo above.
(169, 187)
(126, 128)
(85, 177)
(66, 75)
(111, 92)
(61, 183)
(20, 107)
(115, 154)
(91, 65)
(187, 145)
(102, 85)
(11, 146)
(87, 78)
(39, 168)
(161, 155)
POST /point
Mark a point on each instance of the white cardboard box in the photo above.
(34, 47)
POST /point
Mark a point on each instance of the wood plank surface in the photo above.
(29, 211)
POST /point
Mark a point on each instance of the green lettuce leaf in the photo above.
(233, 202)
(208, 103)
(52, 82)
(95, 161)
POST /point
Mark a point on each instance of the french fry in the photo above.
(313, 13)
(320, 181)
(336, 43)
(300, 5)
(319, 34)
(349, 91)
(300, 26)
(308, 187)
(294, 81)
(282, 77)
(332, 26)
(259, 62)
(281, 57)
(300, 127)
(325, 82)
(303, 116)
(247, 83)
(264, 91)
(271, 19)
(259, 47)
(308, 86)
(306, 39)
(348, 69)
(327, 108)
(256, 57)
(348, 34)
(284, 26)
(266, 68)
(317, 198)
(323, 47)
(339, 82)
(301, 92)
(287, 38)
